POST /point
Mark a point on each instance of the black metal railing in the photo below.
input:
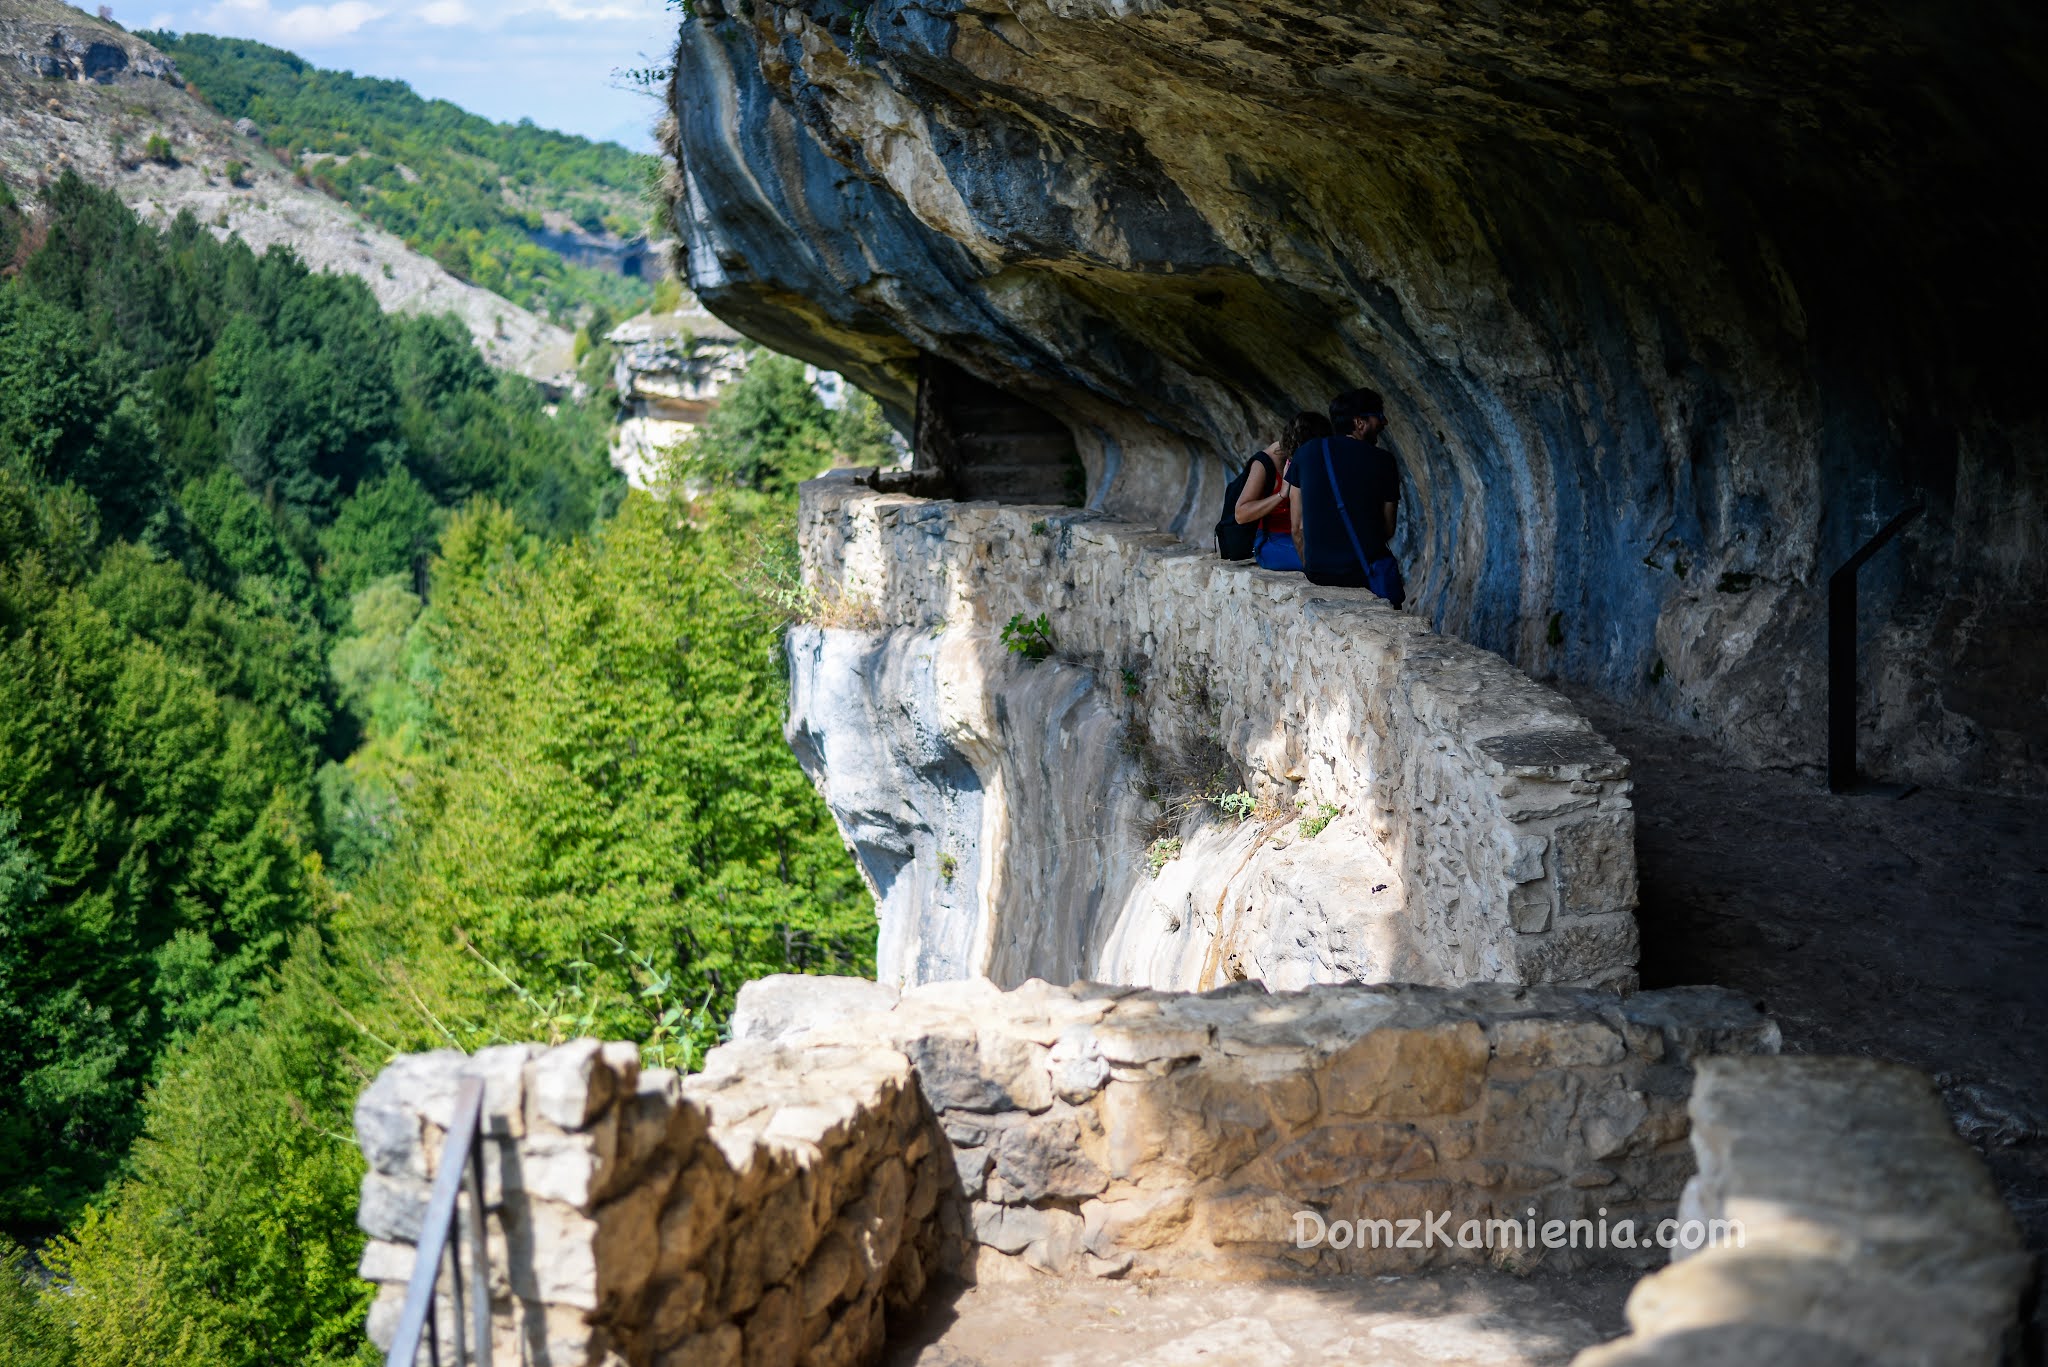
(1842, 774)
(462, 1169)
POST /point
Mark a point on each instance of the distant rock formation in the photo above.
(668, 373)
(1673, 307)
(82, 95)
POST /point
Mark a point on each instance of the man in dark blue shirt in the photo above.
(1344, 529)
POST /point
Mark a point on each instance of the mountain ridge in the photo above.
(83, 94)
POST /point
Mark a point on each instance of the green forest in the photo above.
(349, 706)
(455, 186)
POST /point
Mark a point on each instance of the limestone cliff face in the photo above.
(1675, 305)
(1337, 792)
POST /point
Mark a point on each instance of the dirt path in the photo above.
(1912, 928)
(1474, 1318)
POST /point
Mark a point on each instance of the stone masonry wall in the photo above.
(1485, 831)
(1114, 1131)
(637, 1218)
(848, 1145)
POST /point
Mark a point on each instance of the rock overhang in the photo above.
(1676, 309)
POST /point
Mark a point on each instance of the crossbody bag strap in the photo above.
(1345, 517)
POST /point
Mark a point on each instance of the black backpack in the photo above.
(1234, 539)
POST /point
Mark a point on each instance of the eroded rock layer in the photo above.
(1675, 304)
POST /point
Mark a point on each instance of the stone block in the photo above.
(827, 1276)
(1608, 1118)
(551, 1254)
(1043, 1158)
(961, 1072)
(1006, 1229)
(1597, 949)
(389, 1114)
(1535, 1042)
(782, 1005)
(1394, 1072)
(1333, 1156)
(385, 1261)
(720, 1347)
(503, 1070)
(676, 1303)
(873, 1225)
(1197, 1122)
(557, 1167)
(628, 1241)
(1057, 1251)
(1594, 859)
(1697, 1021)
(695, 1211)
(1135, 1220)
(1531, 907)
(1247, 1215)
(772, 1333)
(1078, 1068)
(568, 1085)
(392, 1208)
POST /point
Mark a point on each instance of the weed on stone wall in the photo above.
(1030, 637)
(1312, 825)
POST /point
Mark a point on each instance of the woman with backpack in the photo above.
(1264, 499)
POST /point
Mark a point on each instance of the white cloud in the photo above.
(312, 24)
(447, 13)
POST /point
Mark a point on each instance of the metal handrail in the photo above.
(1842, 775)
(462, 1167)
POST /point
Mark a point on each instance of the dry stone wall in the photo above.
(638, 1218)
(848, 1146)
(1004, 811)
(1116, 1131)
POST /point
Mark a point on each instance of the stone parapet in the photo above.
(1483, 830)
(1870, 1234)
(1114, 1131)
(847, 1146)
(638, 1218)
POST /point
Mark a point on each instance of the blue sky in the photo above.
(548, 60)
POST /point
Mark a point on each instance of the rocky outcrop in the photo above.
(668, 372)
(1216, 773)
(1674, 306)
(82, 95)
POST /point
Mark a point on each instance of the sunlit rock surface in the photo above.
(1675, 306)
(1217, 772)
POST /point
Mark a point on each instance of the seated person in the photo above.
(1342, 528)
(1264, 499)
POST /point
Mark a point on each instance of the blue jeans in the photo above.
(1275, 552)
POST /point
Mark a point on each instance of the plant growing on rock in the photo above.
(948, 866)
(158, 149)
(1029, 637)
(1161, 853)
(1312, 826)
(1238, 806)
(1133, 686)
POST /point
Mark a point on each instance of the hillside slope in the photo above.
(76, 92)
(554, 222)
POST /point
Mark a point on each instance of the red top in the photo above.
(1277, 522)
